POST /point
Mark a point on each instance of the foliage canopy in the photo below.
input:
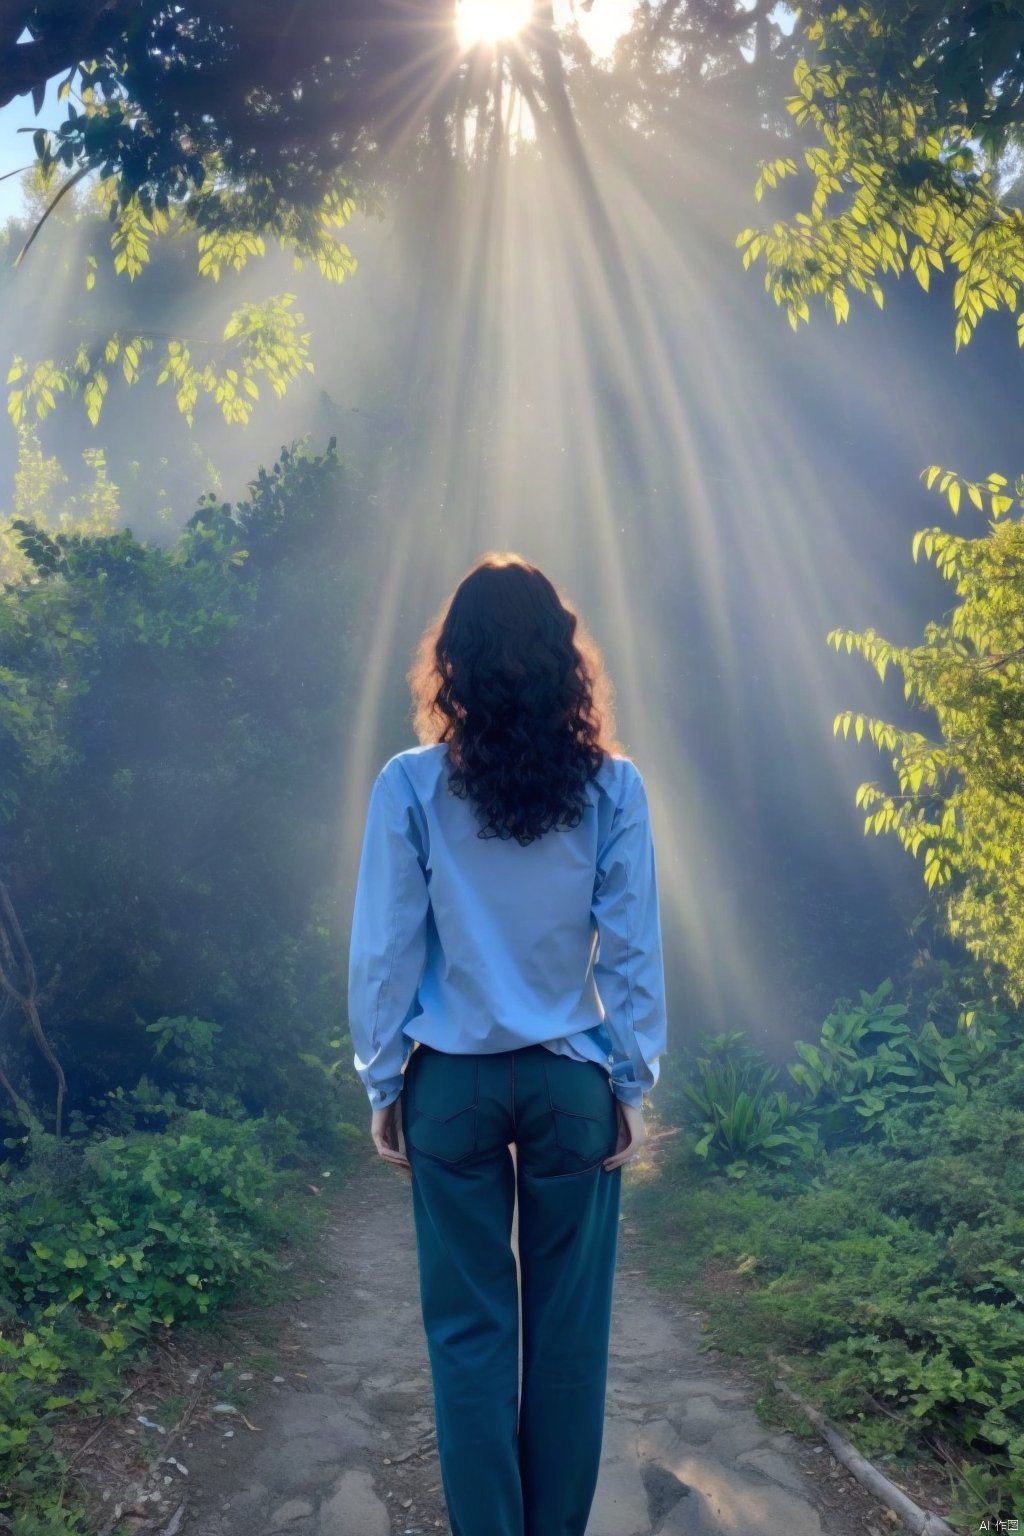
(909, 109)
(960, 798)
(171, 721)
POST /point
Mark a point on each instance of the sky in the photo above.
(16, 148)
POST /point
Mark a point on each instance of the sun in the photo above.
(488, 21)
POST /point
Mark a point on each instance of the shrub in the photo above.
(735, 1112)
(891, 1272)
(148, 1228)
(43, 1371)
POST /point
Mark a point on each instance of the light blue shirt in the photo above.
(480, 944)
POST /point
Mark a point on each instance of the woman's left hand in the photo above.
(386, 1130)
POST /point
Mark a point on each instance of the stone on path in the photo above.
(620, 1502)
(289, 1512)
(354, 1509)
(771, 1463)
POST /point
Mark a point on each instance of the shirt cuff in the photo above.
(629, 1093)
(385, 1093)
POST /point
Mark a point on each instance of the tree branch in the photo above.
(83, 170)
(22, 1107)
(12, 938)
(84, 33)
(923, 1522)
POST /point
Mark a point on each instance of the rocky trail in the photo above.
(340, 1441)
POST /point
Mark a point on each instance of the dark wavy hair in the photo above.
(509, 677)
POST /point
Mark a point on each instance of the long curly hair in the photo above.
(509, 677)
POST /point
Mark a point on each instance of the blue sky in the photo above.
(16, 148)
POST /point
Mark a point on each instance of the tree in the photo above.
(221, 121)
(960, 798)
(280, 100)
(910, 109)
(190, 104)
(218, 122)
(261, 344)
(967, 54)
(171, 724)
(915, 118)
(245, 125)
(39, 495)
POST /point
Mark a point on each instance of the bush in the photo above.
(735, 1110)
(871, 1067)
(871, 1059)
(892, 1273)
(144, 1228)
(105, 1237)
(43, 1371)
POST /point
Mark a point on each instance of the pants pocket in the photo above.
(582, 1108)
(440, 1112)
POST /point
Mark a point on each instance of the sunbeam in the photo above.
(574, 388)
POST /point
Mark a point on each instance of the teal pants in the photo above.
(515, 1460)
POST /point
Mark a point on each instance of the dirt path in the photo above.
(344, 1445)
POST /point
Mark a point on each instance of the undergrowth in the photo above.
(107, 1240)
(888, 1273)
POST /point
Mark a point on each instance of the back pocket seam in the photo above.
(474, 1102)
(557, 1108)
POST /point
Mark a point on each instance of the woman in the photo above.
(506, 987)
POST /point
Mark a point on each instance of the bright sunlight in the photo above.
(488, 21)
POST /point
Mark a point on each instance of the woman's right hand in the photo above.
(631, 1137)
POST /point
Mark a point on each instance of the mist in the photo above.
(578, 368)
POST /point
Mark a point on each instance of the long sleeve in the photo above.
(387, 951)
(629, 969)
